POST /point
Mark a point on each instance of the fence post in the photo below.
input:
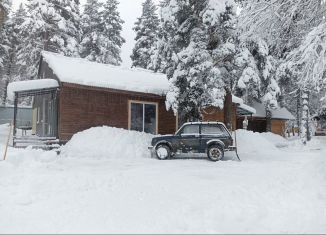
(6, 148)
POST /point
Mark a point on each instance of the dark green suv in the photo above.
(212, 138)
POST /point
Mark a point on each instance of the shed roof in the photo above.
(242, 108)
(83, 72)
(279, 113)
(30, 85)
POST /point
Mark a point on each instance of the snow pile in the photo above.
(30, 85)
(277, 140)
(108, 142)
(83, 72)
(254, 143)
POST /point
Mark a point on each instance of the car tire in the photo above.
(163, 152)
(215, 152)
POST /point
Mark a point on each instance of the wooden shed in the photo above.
(73, 94)
(257, 122)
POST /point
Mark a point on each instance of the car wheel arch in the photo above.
(164, 142)
(213, 142)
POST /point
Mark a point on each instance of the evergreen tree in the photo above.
(19, 18)
(112, 27)
(146, 29)
(164, 51)
(91, 31)
(306, 64)
(198, 44)
(71, 30)
(51, 25)
(5, 52)
(102, 41)
(223, 42)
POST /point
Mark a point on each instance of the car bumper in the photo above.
(231, 148)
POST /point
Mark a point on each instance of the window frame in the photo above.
(223, 131)
(143, 103)
(189, 134)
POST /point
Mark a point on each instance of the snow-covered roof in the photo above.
(83, 72)
(237, 100)
(279, 113)
(30, 85)
(242, 105)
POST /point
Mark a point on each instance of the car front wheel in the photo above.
(215, 153)
(163, 152)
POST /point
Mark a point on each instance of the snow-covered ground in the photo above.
(106, 184)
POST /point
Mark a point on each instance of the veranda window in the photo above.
(143, 117)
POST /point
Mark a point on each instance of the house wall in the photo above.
(213, 114)
(83, 107)
(278, 126)
(259, 125)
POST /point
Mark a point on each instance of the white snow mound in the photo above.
(257, 143)
(108, 142)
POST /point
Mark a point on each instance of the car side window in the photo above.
(190, 129)
(211, 130)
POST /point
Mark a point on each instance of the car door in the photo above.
(189, 138)
(209, 132)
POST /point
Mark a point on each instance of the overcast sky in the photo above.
(129, 10)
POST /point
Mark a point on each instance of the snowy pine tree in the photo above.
(146, 29)
(223, 42)
(91, 31)
(201, 41)
(307, 66)
(282, 25)
(7, 50)
(112, 27)
(102, 26)
(71, 29)
(50, 25)
(164, 51)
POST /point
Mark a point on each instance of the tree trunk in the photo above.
(268, 119)
(299, 111)
(305, 132)
(8, 78)
(228, 110)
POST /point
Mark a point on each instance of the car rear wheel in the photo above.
(163, 152)
(215, 153)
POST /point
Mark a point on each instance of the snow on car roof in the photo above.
(83, 72)
(30, 85)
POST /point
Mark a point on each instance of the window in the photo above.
(190, 129)
(143, 117)
(211, 130)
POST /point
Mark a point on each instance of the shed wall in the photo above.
(83, 107)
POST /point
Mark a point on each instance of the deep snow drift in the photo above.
(105, 182)
(108, 142)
